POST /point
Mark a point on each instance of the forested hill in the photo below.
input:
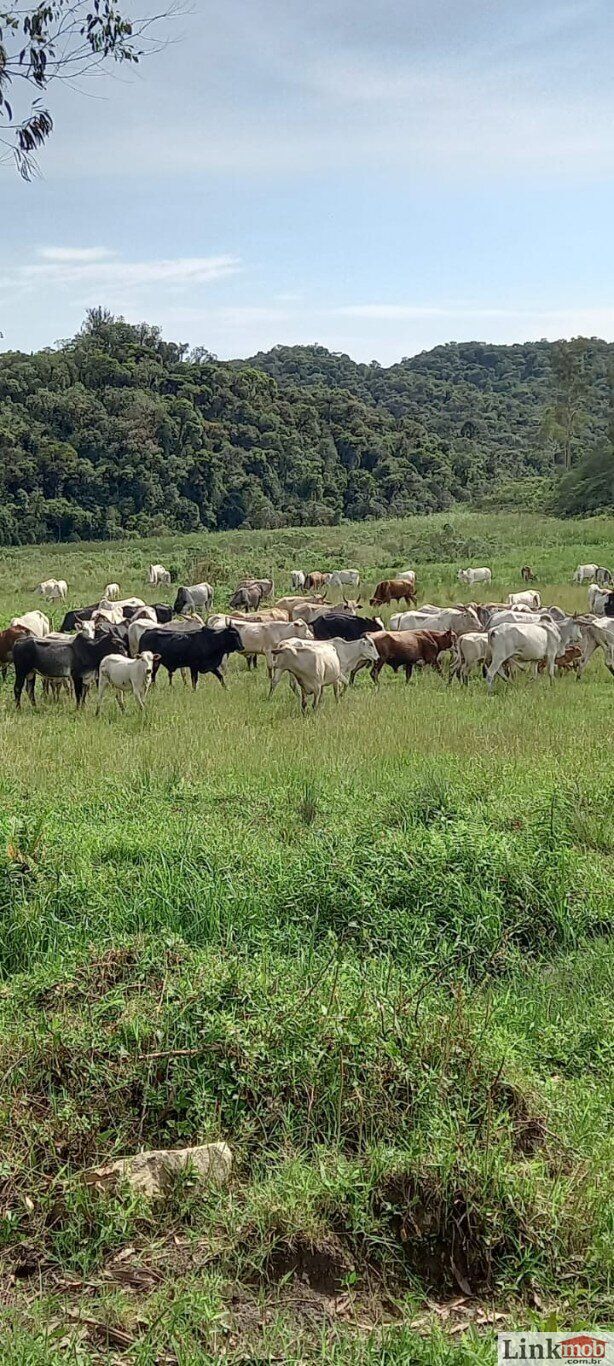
(118, 431)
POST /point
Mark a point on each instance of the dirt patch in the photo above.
(323, 1266)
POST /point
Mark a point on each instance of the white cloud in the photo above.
(74, 254)
(78, 272)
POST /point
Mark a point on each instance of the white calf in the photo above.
(124, 674)
(471, 576)
(297, 578)
(467, 652)
(111, 591)
(584, 572)
(597, 599)
(52, 589)
(530, 599)
(158, 574)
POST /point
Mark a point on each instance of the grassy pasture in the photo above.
(384, 930)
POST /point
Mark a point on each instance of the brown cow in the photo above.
(527, 575)
(316, 581)
(7, 641)
(393, 590)
(405, 649)
(570, 660)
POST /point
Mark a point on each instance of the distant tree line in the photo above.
(118, 432)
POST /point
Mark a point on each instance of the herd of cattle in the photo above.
(122, 643)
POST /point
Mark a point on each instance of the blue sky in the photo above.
(379, 177)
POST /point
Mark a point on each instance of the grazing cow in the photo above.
(193, 598)
(405, 649)
(34, 622)
(247, 596)
(111, 591)
(597, 599)
(262, 637)
(597, 633)
(457, 619)
(529, 643)
(316, 581)
(122, 674)
(467, 652)
(471, 576)
(201, 652)
(341, 578)
(78, 659)
(531, 599)
(527, 575)
(297, 578)
(52, 589)
(393, 590)
(158, 574)
(314, 665)
(584, 572)
(7, 641)
(266, 586)
(345, 626)
(603, 577)
(137, 628)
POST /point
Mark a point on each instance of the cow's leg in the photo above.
(409, 668)
(376, 670)
(4, 670)
(101, 692)
(120, 700)
(275, 680)
(217, 673)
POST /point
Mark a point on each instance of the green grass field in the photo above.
(381, 931)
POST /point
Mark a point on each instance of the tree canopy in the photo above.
(119, 432)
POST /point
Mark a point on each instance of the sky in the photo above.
(377, 177)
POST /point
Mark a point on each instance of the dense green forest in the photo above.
(119, 432)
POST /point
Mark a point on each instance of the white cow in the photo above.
(34, 622)
(297, 578)
(584, 572)
(467, 652)
(530, 644)
(124, 674)
(158, 574)
(457, 619)
(262, 637)
(353, 654)
(597, 633)
(192, 597)
(471, 576)
(52, 589)
(530, 599)
(314, 664)
(105, 604)
(408, 574)
(111, 591)
(597, 599)
(341, 578)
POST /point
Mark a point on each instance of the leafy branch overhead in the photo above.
(61, 40)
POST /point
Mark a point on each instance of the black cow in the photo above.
(163, 612)
(202, 652)
(341, 624)
(73, 620)
(61, 659)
